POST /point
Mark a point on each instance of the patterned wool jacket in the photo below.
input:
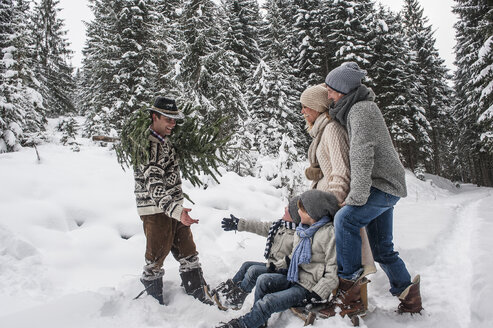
(283, 239)
(158, 183)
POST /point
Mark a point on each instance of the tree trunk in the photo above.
(105, 138)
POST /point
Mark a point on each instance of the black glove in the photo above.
(273, 269)
(288, 261)
(282, 271)
(229, 224)
(313, 297)
(285, 271)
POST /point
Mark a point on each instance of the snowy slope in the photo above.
(72, 247)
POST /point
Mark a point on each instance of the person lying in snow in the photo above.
(311, 271)
(233, 292)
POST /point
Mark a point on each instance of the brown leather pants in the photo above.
(165, 234)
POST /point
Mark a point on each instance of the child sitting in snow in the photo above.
(232, 292)
(312, 270)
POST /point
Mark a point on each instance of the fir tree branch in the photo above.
(200, 145)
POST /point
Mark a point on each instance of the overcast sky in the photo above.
(439, 13)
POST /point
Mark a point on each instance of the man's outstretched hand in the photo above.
(186, 219)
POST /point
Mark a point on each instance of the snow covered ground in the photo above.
(72, 247)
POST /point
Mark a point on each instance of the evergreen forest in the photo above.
(246, 64)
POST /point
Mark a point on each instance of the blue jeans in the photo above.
(377, 216)
(273, 293)
(248, 273)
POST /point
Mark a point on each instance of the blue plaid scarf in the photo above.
(303, 252)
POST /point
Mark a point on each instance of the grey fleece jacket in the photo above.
(373, 159)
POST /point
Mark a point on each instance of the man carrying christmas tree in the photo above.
(160, 206)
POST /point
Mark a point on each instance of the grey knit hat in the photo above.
(315, 97)
(293, 209)
(345, 78)
(319, 203)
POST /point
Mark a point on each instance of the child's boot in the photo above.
(223, 288)
(236, 297)
(233, 323)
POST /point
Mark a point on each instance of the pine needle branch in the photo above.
(200, 146)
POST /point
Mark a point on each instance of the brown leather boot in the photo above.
(347, 299)
(411, 298)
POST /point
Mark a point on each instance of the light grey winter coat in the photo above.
(282, 245)
(320, 275)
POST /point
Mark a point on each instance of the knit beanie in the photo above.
(293, 209)
(319, 203)
(316, 98)
(345, 78)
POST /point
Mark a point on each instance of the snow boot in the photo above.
(154, 288)
(233, 323)
(235, 297)
(411, 298)
(223, 288)
(347, 299)
(195, 285)
(219, 293)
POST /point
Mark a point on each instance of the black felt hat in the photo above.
(167, 107)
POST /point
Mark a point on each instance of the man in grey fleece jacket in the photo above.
(377, 183)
